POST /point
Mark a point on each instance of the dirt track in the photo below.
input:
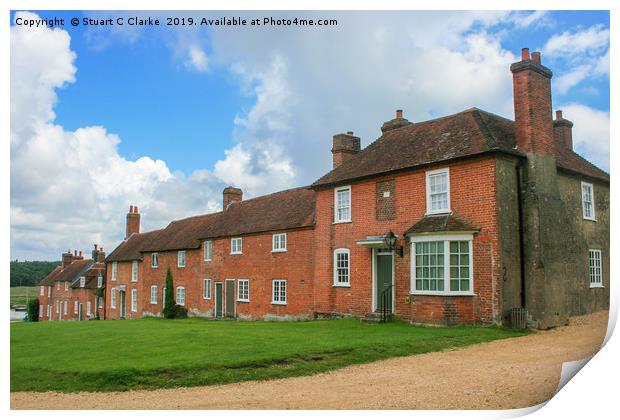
(512, 373)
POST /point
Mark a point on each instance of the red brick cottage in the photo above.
(459, 219)
(70, 291)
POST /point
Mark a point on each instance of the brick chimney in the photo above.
(344, 147)
(562, 131)
(133, 222)
(67, 258)
(532, 102)
(397, 122)
(231, 195)
(100, 255)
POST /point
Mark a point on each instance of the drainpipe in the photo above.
(519, 172)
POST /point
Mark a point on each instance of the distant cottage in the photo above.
(464, 219)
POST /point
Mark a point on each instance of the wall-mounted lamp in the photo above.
(390, 240)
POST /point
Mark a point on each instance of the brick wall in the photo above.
(473, 196)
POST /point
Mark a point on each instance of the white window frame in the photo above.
(429, 174)
(593, 275)
(57, 306)
(57, 285)
(134, 271)
(447, 238)
(273, 292)
(208, 250)
(180, 288)
(114, 270)
(100, 280)
(134, 300)
(82, 281)
(42, 291)
(75, 306)
(241, 296)
(181, 259)
(278, 242)
(155, 260)
(41, 311)
(113, 298)
(66, 286)
(64, 308)
(88, 308)
(154, 294)
(236, 250)
(336, 282)
(206, 289)
(49, 291)
(592, 216)
(337, 207)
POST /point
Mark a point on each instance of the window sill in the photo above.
(437, 212)
(342, 222)
(209, 260)
(590, 219)
(180, 266)
(236, 253)
(346, 286)
(154, 267)
(243, 300)
(279, 303)
(275, 251)
(597, 286)
(432, 293)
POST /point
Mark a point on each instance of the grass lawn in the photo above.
(158, 353)
(19, 295)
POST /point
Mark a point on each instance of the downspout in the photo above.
(521, 233)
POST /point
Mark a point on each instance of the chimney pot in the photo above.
(133, 222)
(135, 209)
(558, 114)
(525, 54)
(130, 209)
(536, 57)
(95, 247)
(350, 133)
(399, 113)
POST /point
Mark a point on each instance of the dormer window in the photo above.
(438, 191)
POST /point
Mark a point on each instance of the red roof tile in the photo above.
(68, 273)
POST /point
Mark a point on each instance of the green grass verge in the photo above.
(21, 294)
(158, 353)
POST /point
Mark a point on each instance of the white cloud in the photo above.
(590, 132)
(590, 40)
(197, 59)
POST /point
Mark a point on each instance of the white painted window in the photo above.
(67, 285)
(154, 260)
(41, 311)
(243, 290)
(49, 291)
(64, 308)
(57, 307)
(206, 288)
(596, 271)
(342, 204)
(100, 280)
(75, 307)
(278, 241)
(57, 285)
(236, 246)
(88, 308)
(134, 271)
(181, 259)
(42, 292)
(342, 267)
(100, 300)
(438, 191)
(153, 294)
(114, 270)
(587, 201)
(113, 298)
(49, 311)
(181, 296)
(278, 295)
(208, 246)
(442, 264)
(134, 300)
(82, 281)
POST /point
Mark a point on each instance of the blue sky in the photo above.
(183, 112)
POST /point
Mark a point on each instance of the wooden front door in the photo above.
(230, 298)
(80, 313)
(383, 281)
(219, 313)
(122, 302)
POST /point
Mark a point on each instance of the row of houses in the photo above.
(455, 220)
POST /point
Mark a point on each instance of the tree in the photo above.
(169, 303)
(33, 310)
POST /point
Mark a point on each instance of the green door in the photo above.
(384, 282)
(218, 300)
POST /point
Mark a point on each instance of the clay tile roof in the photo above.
(282, 210)
(441, 223)
(131, 248)
(570, 161)
(91, 275)
(467, 133)
(68, 273)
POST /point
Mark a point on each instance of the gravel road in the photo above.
(511, 373)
